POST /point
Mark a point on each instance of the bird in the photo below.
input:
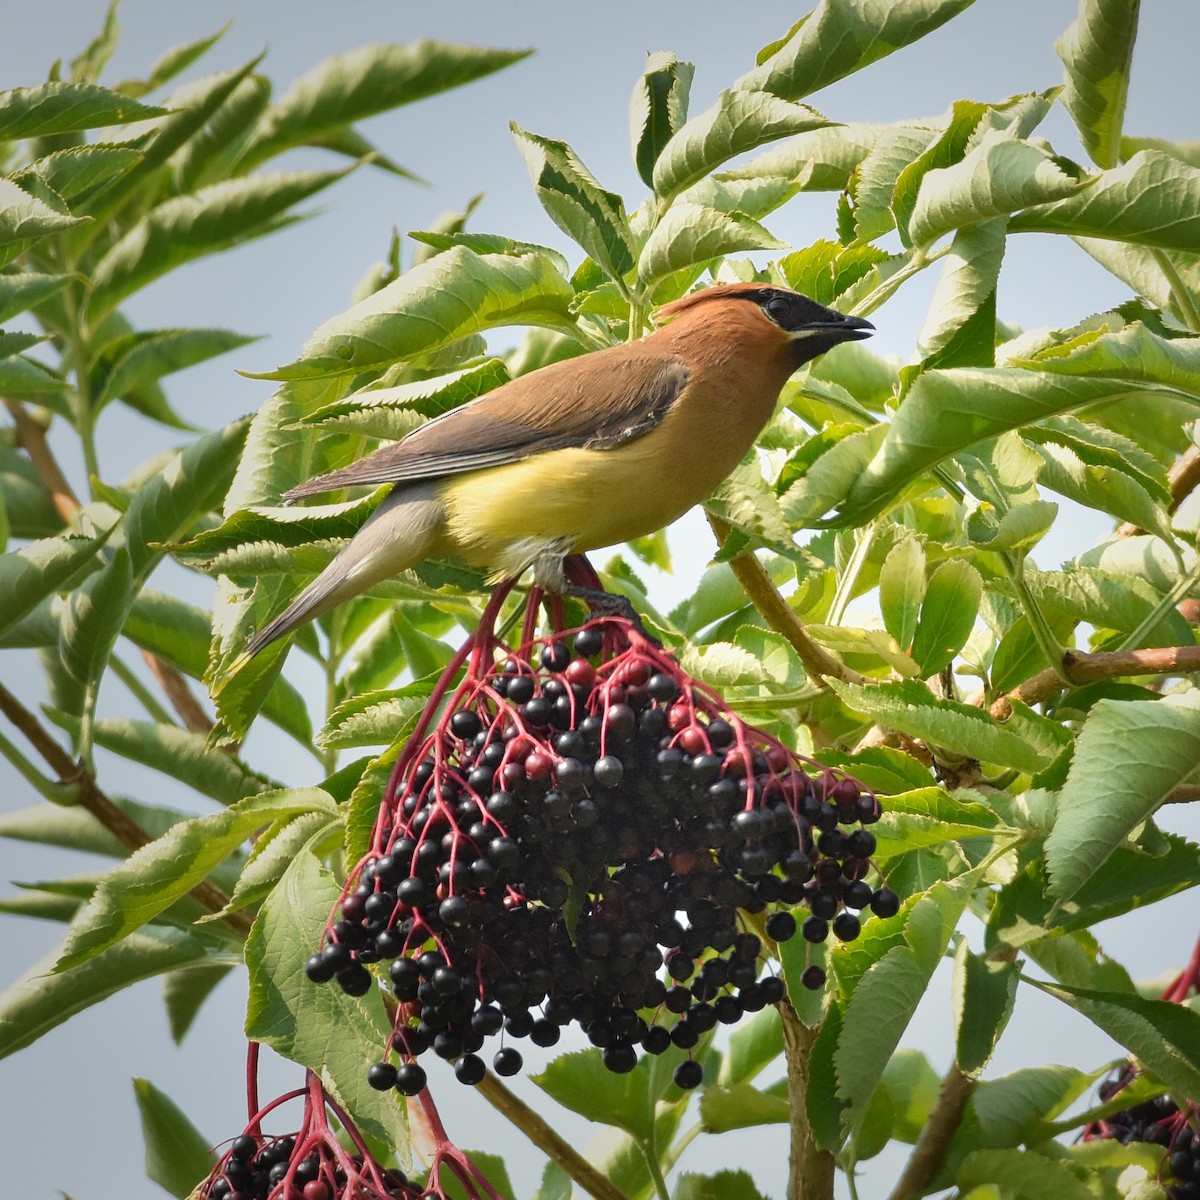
(583, 453)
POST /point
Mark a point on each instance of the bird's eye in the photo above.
(778, 307)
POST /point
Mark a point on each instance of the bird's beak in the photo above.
(836, 328)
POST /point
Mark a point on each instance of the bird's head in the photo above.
(772, 314)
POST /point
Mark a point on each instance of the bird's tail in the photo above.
(399, 534)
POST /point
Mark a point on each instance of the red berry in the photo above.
(691, 740)
(679, 717)
(538, 765)
(581, 672)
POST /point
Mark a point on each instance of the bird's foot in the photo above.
(609, 604)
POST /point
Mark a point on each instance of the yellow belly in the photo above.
(571, 500)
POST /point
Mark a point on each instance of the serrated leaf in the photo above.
(960, 328)
(984, 993)
(1129, 756)
(189, 485)
(177, 1153)
(910, 708)
(1001, 175)
(211, 153)
(948, 614)
(739, 121)
(92, 617)
(833, 476)
(61, 107)
(171, 62)
(1153, 200)
(159, 873)
(184, 228)
(576, 203)
(286, 1012)
(580, 1081)
(875, 179)
(690, 234)
(24, 290)
(657, 109)
(30, 575)
(724, 1185)
(347, 87)
(841, 36)
(41, 1000)
(948, 411)
(76, 171)
(129, 363)
(1164, 1037)
(87, 65)
(393, 412)
(1096, 50)
(24, 219)
(446, 298)
(1021, 1173)
(184, 993)
(901, 589)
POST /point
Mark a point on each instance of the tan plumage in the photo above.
(581, 454)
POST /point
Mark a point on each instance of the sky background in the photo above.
(67, 1116)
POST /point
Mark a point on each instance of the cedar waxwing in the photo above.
(580, 454)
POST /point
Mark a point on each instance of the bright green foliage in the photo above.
(1022, 723)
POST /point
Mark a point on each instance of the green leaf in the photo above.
(76, 828)
(59, 107)
(184, 228)
(657, 109)
(724, 1185)
(840, 37)
(28, 576)
(910, 708)
(739, 121)
(1001, 175)
(691, 234)
(286, 1012)
(158, 874)
(948, 411)
(984, 993)
(41, 1000)
(913, 1086)
(960, 328)
(130, 362)
(948, 614)
(76, 171)
(832, 476)
(1096, 50)
(25, 290)
(725, 1107)
(446, 298)
(1023, 1174)
(581, 1082)
(576, 202)
(177, 1153)
(1129, 756)
(347, 87)
(874, 184)
(211, 153)
(87, 66)
(754, 1045)
(184, 992)
(884, 999)
(189, 485)
(1151, 200)
(1164, 1037)
(24, 219)
(171, 63)
(393, 412)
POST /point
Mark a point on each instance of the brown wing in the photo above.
(597, 401)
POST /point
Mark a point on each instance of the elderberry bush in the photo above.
(588, 836)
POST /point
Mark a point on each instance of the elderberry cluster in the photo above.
(584, 815)
(1160, 1122)
(260, 1168)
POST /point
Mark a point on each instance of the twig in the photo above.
(810, 1169)
(550, 1143)
(1183, 479)
(90, 797)
(1083, 668)
(926, 1158)
(761, 591)
(176, 689)
(32, 437)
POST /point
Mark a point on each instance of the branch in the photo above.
(810, 1169)
(1183, 479)
(547, 1140)
(175, 688)
(926, 1158)
(760, 589)
(90, 797)
(1081, 668)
